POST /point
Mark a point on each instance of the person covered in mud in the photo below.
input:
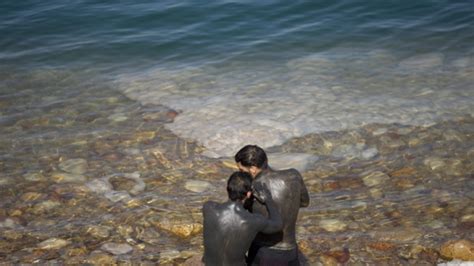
(229, 228)
(289, 193)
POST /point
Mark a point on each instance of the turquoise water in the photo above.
(259, 72)
(148, 33)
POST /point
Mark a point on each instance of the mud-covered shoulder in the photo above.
(291, 171)
(209, 205)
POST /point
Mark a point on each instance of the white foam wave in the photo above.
(226, 108)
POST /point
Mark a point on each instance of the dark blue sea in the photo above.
(251, 71)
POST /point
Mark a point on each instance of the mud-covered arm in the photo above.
(274, 221)
(304, 195)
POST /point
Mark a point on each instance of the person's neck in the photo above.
(262, 171)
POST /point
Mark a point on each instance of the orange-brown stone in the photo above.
(458, 249)
(382, 246)
(406, 171)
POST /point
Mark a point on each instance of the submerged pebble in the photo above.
(34, 177)
(462, 249)
(169, 255)
(468, 218)
(60, 177)
(117, 248)
(45, 206)
(180, 226)
(379, 131)
(99, 231)
(375, 178)
(347, 151)
(5, 181)
(434, 163)
(32, 196)
(100, 186)
(9, 223)
(118, 117)
(116, 196)
(54, 243)
(332, 225)
(396, 234)
(100, 258)
(197, 186)
(74, 166)
(370, 153)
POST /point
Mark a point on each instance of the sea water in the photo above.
(259, 72)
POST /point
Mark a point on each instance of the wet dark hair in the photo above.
(252, 155)
(238, 185)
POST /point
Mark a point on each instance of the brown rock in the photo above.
(404, 183)
(399, 234)
(462, 249)
(172, 114)
(194, 261)
(382, 246)
(12, 234)
(39, 256)
(144, 135)
(180, 228)
(186, 230)
(419, 252)
(406, 171)
(161, 158)
(305, 247)
(341, 256)
(121, 183)
(16, 213)
(53, 243)
(77, 251)
(32, 196)
(328, 260)
(6, 247)
(331, 185)
(393, 214)
(100, 258)
(466, 222)
(113, 156)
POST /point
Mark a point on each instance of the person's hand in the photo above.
(261, 192)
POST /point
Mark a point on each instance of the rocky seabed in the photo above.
(103, 181)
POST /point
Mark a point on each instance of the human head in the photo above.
(251, 159)
(239, 186)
